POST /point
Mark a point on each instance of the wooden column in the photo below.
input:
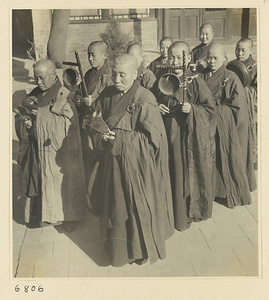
(166, 31)
(105, 14)
(245, 23)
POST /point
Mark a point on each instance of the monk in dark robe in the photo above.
(130, 189)
(55, 130)
(189, 125)
(199, 53)
(157, 66)
(97, 79)
(234, 175)
(144, 76)
(243, 53)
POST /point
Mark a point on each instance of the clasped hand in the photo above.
(110, 136)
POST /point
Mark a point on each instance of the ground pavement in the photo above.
(225, 245)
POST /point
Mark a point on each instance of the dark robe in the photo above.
(251, 91)
(157, 66)
(130, 189)
(234, 167)
(96, 81)
(200, 52)
(145, 77)
(60, 167)
(191, 152)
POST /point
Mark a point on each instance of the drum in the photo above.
(240, 70)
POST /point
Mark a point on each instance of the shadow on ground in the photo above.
(87, 237)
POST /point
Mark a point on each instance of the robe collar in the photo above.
(50, 95)
(249, 61)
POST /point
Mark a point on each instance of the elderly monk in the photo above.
(199, 53)
(243, 52)
(131, 188)
(232, 134)
(190, 131)
(60, 166)
(145, 76)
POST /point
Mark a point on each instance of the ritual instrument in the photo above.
(169, 84)
(96, 122)
(71, 77)
(19, 114)
(240, 70)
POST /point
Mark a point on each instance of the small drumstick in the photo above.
(18, 113)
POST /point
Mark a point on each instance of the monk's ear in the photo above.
(135, 74)
(105, 55)
(189, 58)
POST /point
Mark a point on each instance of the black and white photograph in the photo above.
(135, 143)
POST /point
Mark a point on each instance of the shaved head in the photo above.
(180, 46)
(46, 65)
(217, 48)
(102, 46)
(243, 49)
(207, 26)
(135, 50)
(246, 41)
(216, 56)
(124, 72)
(45, 74)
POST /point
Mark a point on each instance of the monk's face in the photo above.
(164, 46)
(206, 35)
(215, 58)
(123, 75)
(243, 51)
(44, 77)
(175, 58)
(96, 56)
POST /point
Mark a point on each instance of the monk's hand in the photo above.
(201, 64)
(28, 123)
(110, 136)
(186, 107)
(88, 100)
(164, 109)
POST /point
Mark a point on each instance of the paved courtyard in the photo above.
(226, 245)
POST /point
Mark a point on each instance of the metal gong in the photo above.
(169, 84)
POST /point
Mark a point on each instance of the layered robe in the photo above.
(145, 77)
(96, 81)
(234, 171)
(191, 152)
(60, 166)
(130, 187)
(200, 52)
(251, 91)
(157, 66)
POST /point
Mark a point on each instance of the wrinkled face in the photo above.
(123, 75)
(96, 56)
(243, 51)
(164, 48)
(175, 58)
(44, 78)
(206, 35)
(215, 59)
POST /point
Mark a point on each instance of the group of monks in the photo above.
(144, 161)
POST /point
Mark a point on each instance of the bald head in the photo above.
(124, 72)
(135, 50)
(102, 46)
(46, 65)
(216, 56)
(180, 46)
(207, 26)
(175, 55)
(243, 49)
(206, 33)
(45, 74)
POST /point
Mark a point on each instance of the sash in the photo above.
(214, 81)
(122, 106)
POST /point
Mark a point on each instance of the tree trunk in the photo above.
(58, 36)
